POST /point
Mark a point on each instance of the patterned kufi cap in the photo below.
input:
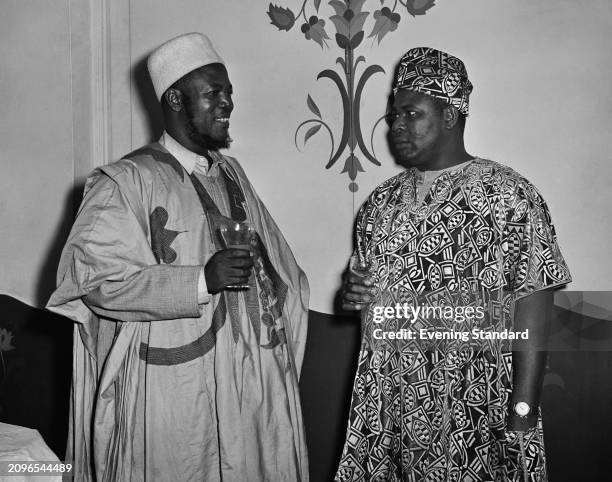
(179, 56)
(435, 73)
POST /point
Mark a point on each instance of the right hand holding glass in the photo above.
(226, 268)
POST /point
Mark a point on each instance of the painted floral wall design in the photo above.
(351, 20)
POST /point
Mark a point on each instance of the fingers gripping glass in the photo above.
(237, 236)
(362, 266)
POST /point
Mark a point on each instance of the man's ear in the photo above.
(174, 99)
(451, 116)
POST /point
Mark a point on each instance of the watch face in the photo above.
(522, 409)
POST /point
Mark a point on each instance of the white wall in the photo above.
(35, 139)
(540, 104)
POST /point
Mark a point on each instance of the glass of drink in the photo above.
(237, 235)
(362, 266)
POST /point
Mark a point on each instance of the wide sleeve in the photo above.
(532, 259)
(108, 267)
(298, 290)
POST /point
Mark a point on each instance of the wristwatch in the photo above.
(522, 409)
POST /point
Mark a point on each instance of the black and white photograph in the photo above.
(305, 240)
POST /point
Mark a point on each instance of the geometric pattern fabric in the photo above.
(482, 237)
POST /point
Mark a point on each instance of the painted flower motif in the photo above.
(315, 30)
(419, 7)
(5, 340)
(352, 166)
(282, 18)
(386, 21)
(348, 20)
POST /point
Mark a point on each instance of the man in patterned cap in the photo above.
(450, 391)
(178, 375)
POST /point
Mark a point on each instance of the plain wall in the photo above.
(36, 143)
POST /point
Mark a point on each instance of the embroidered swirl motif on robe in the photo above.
(270, 289)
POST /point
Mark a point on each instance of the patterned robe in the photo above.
(165, 389)
(435, 411)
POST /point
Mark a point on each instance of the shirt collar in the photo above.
(189, 159)
(446, 169)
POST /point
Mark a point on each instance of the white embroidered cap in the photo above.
(179, 56)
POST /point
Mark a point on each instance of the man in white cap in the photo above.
(178, 373)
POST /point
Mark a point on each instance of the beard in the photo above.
(203, 140)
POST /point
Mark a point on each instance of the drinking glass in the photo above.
(362, 266)
(237, 235)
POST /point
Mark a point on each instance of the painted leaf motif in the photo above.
(342, 41)
(356, 40)
(313, 107)
(317, 4)
(367, 73)
(317, 33)
(280, 17)
(419, 7)
(311, 132)
(336, 79)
